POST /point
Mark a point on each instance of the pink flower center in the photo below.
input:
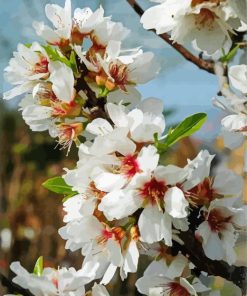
(217, 221)
(119, 73)
(130, 166)
(106, 234)
(55, 282)
(153, 191)
(175, 289)
(41, 66)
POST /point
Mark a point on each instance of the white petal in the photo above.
(115, 252)
(228, 183)
(108, 182)
(119, 204)
(131, 258)
(171, 174)
(148, 158)
(117, 114)
(62, 79)
(238, 77)
(18, 90)
(99, 126)
(154, 225)
(108, 274)
(99, 290)
(175, 203)
(177, 266)
(213, 247)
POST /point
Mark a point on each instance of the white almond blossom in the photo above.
(234, 125)
(165, 279)
(152, 190)
(29, 65)
(108, 179)
(61, 19)
(225, 184)
(204, 23)
(61, 282)
(119, 68)
(85, 20)
(108, 30)
(81, 177)
(105, 249)
(142, 122)
(51, 101)
(198, 169)
(219, 230)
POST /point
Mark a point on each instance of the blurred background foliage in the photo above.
(30, 215)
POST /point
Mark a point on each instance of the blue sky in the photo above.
(180, 84)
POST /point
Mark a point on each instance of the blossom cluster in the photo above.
(83, 54)
(125, 202)
(210, 27)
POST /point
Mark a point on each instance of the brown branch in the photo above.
(202, 64)
(95, 105)
(193, 250)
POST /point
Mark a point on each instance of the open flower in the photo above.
(204, 23)
(219, 230)
(84, 22)
(156, 192)
(234, 125)
(165, 279)
(225, 184)
(117, 68)
(61, 19)
(142, 122)
(52, 282)
(28, 66)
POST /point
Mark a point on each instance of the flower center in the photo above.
(217, 221)
(130, 166)
(41, 66)
(175, 289)
(117, 233)
(119, 73)
(205, 19)
(153, 191)
(69, 133)
(203, 193)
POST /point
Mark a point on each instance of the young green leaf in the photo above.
(38, 267)
(55, 56)
(186, 128)
(230, 55)
(58, 185)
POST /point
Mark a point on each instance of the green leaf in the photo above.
(58, 185)
(38, 267)
(186, 128)
(73, 63)
(55, 56)
(28, 45)
(230, 55)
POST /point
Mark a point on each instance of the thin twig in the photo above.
(201, 63)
